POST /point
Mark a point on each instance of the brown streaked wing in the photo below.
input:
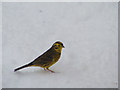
(44, 58)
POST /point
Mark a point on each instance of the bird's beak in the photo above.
(63, 46)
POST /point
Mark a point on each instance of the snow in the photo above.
(1, 44)
(89, 32)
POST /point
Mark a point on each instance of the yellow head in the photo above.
(58, 46)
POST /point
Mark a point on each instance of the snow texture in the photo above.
(89, 32)
(0, 45)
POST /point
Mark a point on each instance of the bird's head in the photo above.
(58, 46)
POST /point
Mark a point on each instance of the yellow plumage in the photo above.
(48, 58)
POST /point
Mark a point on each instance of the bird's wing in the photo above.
(44, 58)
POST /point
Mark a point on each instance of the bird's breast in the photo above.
(56, 57)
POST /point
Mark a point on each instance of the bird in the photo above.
(47, 59)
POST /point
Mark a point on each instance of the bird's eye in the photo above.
(59, 45)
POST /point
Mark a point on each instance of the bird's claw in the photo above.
(50, 70)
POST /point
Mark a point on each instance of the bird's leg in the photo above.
(44, 69)
(50, 70)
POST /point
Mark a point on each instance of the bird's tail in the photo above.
(27, 65)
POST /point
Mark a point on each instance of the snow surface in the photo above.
(89, 32)
(0, 45)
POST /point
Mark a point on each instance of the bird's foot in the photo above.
(50, 70)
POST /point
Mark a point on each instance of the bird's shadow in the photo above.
(35, 72)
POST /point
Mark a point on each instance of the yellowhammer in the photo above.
(48, 58)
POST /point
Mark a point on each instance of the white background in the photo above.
(1, 44)
(88, 30)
